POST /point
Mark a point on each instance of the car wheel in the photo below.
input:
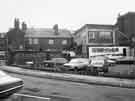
(105, 70)
(76, 69)
(95, 71)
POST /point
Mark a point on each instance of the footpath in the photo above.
(97, 80)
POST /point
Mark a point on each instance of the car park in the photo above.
(77, 64)
(9, 85)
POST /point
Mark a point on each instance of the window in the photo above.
(30, 41)
(91, 35)
(35, 41)
(105, 35)
(64, 42)
(2, 35)
(51, 42)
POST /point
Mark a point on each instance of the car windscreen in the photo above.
(59, 60)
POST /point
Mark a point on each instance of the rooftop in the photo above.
(127, 14)
(97, 26)
(47, 32)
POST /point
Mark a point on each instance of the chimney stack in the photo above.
(24, 26)
(56, 29)
(16, 23)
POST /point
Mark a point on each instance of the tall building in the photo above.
(126, 24)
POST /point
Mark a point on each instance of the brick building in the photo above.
(47, 39)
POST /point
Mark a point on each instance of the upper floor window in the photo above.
(35, 41)
(64, 42)
(91, 35)
(30, 41)
(105, 35)
(51, 42)
(2, 35)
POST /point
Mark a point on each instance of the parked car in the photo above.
(99, 64)
(109, 61)
(114, 56)
(59, 61)
(126, 60)
(9, 85)
(54, 64)
(77, 64)
(55, 61)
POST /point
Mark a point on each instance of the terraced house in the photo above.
(48, 38)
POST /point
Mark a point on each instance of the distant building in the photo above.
(48, 39)
(93, 35)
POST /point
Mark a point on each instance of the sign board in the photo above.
(97, 51)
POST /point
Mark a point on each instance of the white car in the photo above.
(107, 60)
(9, 85)
(114, 56)
(99, 64)
(77, 63)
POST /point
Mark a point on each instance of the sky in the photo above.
(68, 14)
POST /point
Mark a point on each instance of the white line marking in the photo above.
(11, 89)
(31, 96)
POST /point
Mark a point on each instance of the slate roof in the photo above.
(47, 33)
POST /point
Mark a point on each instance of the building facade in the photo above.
(47, 39)
(126, 24)
(92, 35)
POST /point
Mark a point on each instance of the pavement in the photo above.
(97, 80)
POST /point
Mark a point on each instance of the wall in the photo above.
(81, 37)
(43, 43)
(126, 24)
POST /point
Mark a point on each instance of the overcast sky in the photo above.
(70, 14)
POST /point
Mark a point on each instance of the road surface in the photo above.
(71, 91)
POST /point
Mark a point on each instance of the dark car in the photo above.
(9, 85)
(54, 63)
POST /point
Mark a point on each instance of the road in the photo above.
(71, 91)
